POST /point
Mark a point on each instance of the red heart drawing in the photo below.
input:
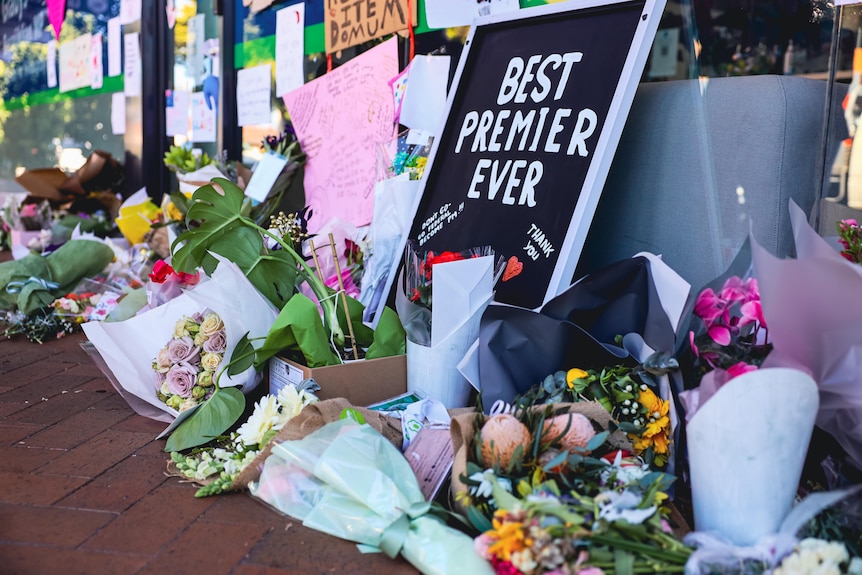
(513, 268)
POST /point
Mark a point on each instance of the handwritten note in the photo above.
(452, 13)
(132, 64)
(350, 23)
(118, 113)
(341, 119)
(203, 119)
(195, 36)
(96, 71)
(130, 11)
(75, 63)
(176, 112)
(115, 62)
(52, 63)
(253, 95)
(289, 48)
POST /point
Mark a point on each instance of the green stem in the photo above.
(330, 315)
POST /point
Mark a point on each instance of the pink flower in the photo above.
(751, 312)
(183, 350)
(591, 571)
(216, 343)
(159, 379)
(181, 379)
(349, 285)
(708, 306)
(719, 334)
(481, 544)
(740, 368)
(693, 345)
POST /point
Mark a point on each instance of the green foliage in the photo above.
(210, 420)
(181, 160)
(298, 325)
(221, 229)
(389, 337)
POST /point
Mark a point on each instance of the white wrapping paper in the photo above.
(128, 347)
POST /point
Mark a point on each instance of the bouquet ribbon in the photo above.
(394, 536)
(16, 287)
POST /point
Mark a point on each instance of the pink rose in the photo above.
(183, 350)
(181, 379)
(216, 343)
(159, 379)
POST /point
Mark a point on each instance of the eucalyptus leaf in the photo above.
(597, 440)
(560, 458)
(479, 521)
(389, 336)
(210, 420)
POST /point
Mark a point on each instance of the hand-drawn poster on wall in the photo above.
(536, 111)
(74, 63)
(351, 22)
(341, 119)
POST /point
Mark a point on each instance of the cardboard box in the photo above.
(44, 183)
(361, 382)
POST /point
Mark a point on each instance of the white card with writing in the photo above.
(254, 95)
(289, 48)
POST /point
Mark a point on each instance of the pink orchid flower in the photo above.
(740, 368)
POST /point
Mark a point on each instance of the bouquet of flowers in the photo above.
(629, 394)
(185, 368)
(86, 306)
(850, 238)
(617, 526)
(419, 268)
(218, 466)
(819, 556)
(526, 446)
(733, 339)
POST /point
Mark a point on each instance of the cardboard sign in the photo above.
(538, 104)
(351, 22)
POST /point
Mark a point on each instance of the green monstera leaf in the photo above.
(209, 421)
(216, 225)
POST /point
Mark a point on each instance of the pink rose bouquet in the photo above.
(185, 368)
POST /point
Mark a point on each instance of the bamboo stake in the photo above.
(316, 263)
(343, 296)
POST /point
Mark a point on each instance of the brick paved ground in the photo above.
(83, 488)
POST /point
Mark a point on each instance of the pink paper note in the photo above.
(341, 119)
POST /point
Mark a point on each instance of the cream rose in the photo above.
(180, 329)
(210, 361)
(211, 324)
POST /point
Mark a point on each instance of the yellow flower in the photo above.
(509, 537)
(173, 212)
(657, 428)
(573, 374)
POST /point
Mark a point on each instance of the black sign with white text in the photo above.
(532, 98)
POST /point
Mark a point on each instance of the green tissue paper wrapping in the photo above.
(34, 281)
(347, 480)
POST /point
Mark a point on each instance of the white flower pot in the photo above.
(746, 449)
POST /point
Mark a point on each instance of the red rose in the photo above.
(161, 271)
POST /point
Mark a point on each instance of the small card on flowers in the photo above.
(139, 350)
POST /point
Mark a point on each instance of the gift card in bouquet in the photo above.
(430, 456)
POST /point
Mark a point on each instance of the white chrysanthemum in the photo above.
(292, 401)
(614, 505)
(263, 418)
